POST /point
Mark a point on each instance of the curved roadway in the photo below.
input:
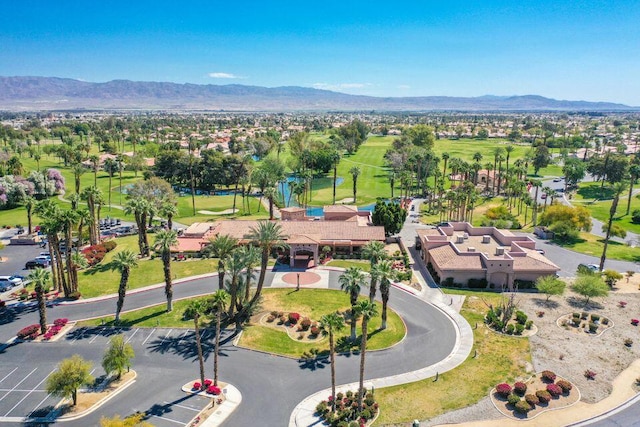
(271, 386)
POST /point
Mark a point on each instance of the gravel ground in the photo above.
(570, 354)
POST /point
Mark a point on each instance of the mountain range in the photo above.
(52, 93)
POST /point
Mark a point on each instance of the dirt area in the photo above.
(392, 248)
(569, 354)
(88, 398)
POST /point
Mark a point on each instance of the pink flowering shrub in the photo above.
(554, 390)
(215, 390)
(503, 389)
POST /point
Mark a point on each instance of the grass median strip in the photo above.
(500, 358)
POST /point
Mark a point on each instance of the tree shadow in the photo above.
(595, 192)
(314, 359)
(98, 268)
(85, 332)
(10, 314)
(550, 304)
(159, 410)
(184, 345)
(576, 302)
(133, 322)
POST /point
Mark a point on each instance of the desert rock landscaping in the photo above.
(582, 322)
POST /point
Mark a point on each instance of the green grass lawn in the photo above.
(500, 359)
(101, 280)
(151, 317)
(593, 245)
(598, 201)
(314, 303)
(217, 204)
(346, 263)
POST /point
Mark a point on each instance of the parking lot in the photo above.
(23, 394)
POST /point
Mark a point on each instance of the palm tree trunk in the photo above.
(363, 349)
(168, 288)
(42, 309)
(372, 289)
(335, 177)
(385, 300)
(196, 318)
(263, 271)
(217, 345)
(332, 357)
(220, 274)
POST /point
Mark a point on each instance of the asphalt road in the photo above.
(271, 386)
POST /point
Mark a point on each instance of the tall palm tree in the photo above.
(219, 300)
(335, 158)
(267, 235)
(220, 247)
(139, 206)
(165, 239)
(367, 310)
(123, 262)
(251, 256)
(68, 219)
(351, 281)
(29, 204)
(634, 173)
(194, 310)
(78, 170)
(94, 199)
(374, 251)
(509, 149)
(110, 166)
(618, 188)
(234, 265)
(95, 165)
(445, 157)
(330, 324)
(355, 172)
(40, 279)
(386, 274)
(271, 193)
(537, 184)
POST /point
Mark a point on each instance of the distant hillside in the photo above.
(52, 93)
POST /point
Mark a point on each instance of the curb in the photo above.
(101, 402)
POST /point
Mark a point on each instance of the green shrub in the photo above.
(477, 283)
(576, 315)
(519, 329)
(510, 329)
(593, 327)
(543, 395)
(521, 317)
(584, 315)
(513, 399)
(635, 216)
(595, 318)
(529, 324)
(448, 282)
(523, 407)
(532, 399)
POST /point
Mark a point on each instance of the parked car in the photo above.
(5, 285)
(557, 180)
(36, 263)
(544, 196)
(540, 251)
(13, 280)
(591, 267)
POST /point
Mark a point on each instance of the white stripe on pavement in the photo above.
(23, 380)
(129, 339)
(166, 336)
(149, 336)
(9, 374)
(28, 394)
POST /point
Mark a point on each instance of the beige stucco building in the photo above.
(462, 252)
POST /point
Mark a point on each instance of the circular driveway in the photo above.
(271, 386)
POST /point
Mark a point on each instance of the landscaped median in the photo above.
(291, 339)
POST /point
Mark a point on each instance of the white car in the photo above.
(13, 280)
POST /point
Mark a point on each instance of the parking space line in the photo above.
(166, 336)
(148, 336)
(97, 335)
(169, 419)
(181, 406)
(81, 335)
(7, 376)
(38, 405)
(202, 337)
(28, 394)
(182, 337)
(129, 339)
(23, 380)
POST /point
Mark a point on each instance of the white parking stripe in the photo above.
(20, 390)
(169, 419)
(181, 406)
(28, 394)
(97, 335)
(38, 405)
(6, 376)
(166, 336)
(23, 380)
(148, 336)
(202, 337)
(129, 339)
(183, 335)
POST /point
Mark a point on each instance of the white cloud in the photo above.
(220, 75)
(404, 87)
(340, 86)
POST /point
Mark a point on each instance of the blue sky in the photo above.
(562, 49)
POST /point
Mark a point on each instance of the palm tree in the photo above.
(234, 264)
(355, 172)
(509, 149)
(94, 199)
(367, 310)
(497, 153)
(251, 256)
(335, 157)
(95, 165)
(268, 236)
(123, 262)
(385, 273)
(194, 310)
(445, 157)
(634, 173)
(351, 281)
(68, 219)
(78, 170)
(618, 188)
(40, 279)
(220, 247)
(168, 210)
(165, 239)
(375, 252)
(139, 206)
(537, 184)
(29, 204)
(271, 193)
(330, 324)
(110, 166)
(219, 301)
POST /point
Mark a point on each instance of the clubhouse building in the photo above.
(343, 229)
(458, 252)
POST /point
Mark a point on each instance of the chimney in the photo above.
(499, 250)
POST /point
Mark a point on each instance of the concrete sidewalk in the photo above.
(304, 413)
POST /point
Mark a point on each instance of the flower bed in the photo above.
(297, 327)
(32, 332)
(347, 410)
(545, 391)
(593, 324)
